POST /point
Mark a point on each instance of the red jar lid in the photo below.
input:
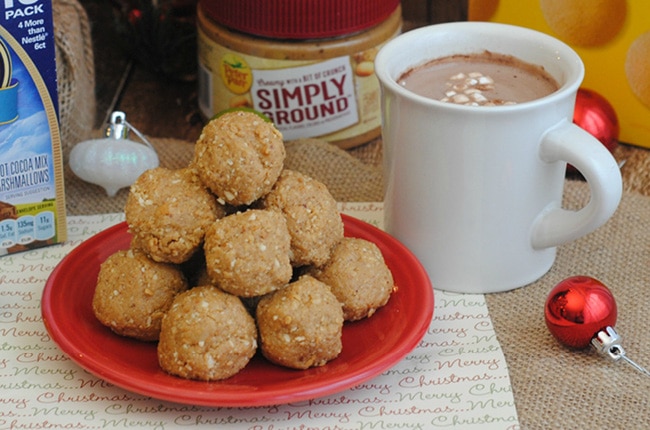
(299, 19)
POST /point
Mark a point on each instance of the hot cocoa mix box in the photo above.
(32, 200)
(611, 36)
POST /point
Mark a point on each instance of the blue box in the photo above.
(32, 195)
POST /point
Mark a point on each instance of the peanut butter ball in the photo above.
(239, 156)
(300, 325)
(207, 335)
(168, 211)
(312, 216)
(247, 253)
(358, 277)
(133, 293)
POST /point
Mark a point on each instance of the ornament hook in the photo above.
(608, 344)
(119, 128)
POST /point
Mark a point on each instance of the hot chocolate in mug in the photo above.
(476, 191)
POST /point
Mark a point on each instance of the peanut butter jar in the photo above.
(308, 65)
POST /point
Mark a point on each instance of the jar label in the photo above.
(330, 98)
(307, 101)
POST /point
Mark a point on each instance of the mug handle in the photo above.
(568, 142)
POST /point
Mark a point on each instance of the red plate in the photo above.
(370, 346)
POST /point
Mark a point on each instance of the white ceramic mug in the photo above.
(476, 192)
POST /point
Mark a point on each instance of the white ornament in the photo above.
(113, 162)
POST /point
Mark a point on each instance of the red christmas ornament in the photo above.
(595, 114)
(577, 309)
(580, 311)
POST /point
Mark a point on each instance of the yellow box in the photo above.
(611, 36)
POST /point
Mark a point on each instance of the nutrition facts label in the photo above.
(26, 229)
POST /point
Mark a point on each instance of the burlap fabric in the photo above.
(75, 72)
(558, 388)
(554, 387)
